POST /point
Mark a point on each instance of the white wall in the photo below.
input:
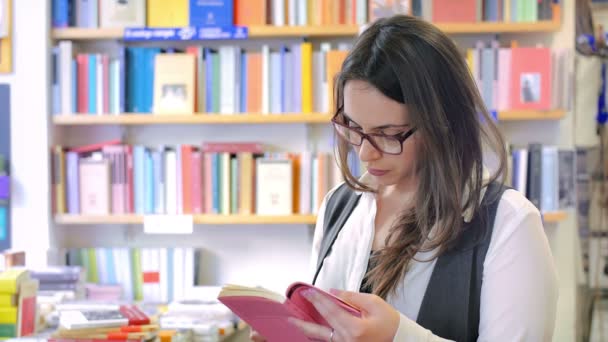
(29, 130)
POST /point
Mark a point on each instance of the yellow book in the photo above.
(335, 58)
(11, 279)
(7, 299)
(59, 179)
(246, 182)
(164, 13)
(8, 315)
(470, 59)
(307, 77)
(174, 79)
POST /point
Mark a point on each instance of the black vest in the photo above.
(451, 303)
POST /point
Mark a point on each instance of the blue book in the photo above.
(215, 13)
(149, 183)
(149, 79)
(130, 80)
(122, 82)
(113, 82)
(3, 222)
(60, 13)
(92, 84)
(243, 90)
(55, 87)
(296, 97)
(111, 271)
(288, 85)
(276, 99)
(139, 156)
(72, 183)
(74, 86)
(93, 15)
(209, 80)
(491, 10)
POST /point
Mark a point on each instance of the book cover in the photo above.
(250, 12)
(215, 13)
(531, 78)
(267, 312)
(274, 179)
(122, 13)
(174, 80)
(163, 13)
(94, 187)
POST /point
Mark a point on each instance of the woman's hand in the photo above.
(379, 321)
(255, 337)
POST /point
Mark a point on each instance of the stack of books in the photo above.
(17, 303)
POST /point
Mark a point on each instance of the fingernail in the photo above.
(308, 293)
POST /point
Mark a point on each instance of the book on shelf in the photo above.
(544, 174)
(224, 13)
(228, 178)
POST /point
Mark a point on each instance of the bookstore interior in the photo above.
(163, 163)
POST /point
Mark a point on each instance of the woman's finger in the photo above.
(255, 337)
(312, 330)
(336, 316)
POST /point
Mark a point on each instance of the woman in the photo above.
(443, 250)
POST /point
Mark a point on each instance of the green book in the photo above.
(92, 273)
(8, 330)
(138, 282)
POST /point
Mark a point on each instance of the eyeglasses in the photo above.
(389, 144)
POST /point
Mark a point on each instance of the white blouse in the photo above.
(519, 289)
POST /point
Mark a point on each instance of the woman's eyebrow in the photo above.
(377, 127)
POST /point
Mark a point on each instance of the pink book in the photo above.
(207, 183)
(462, 11)
(94, 187)
(233, 147)
(531, 78)
(197, 183)
(105, 60)
(504, 78)
(82, 69)
(267, 312)
(129, 179)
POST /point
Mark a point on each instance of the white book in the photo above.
(225, 185)
(302, 12)
(362, 12)
(520, 171)
(237, 78)
(319, 94)
(288, 83)
(171, 182)
(274, 184)
(127, 273)
(314, 185)
(147, 289)
(178, 273)
(179, 180)
(122, 13)
(549, 180)
(278, 12)
(102, 265)
(305, 182)
(227, 71)
(293, 13)
(189, 281)
(164, 275)
(4, 18)
(118, 269)
(265, 79)
(65, 78)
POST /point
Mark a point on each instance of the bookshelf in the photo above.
(269, 31)
(251, 118)
(198, 219)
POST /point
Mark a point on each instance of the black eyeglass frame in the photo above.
(399, 137)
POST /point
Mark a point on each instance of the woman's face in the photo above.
(368, 110)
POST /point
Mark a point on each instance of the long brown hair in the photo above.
(414, 63)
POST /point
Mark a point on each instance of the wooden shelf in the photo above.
(156, 119)
(328, 31)
(554, 217)
(286, 118)
(198, 219)
(522, 115)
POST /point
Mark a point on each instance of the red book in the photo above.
(530, 78)
(187, 179)
(233, 147)
(197, 182)
(95, 147)
(134, 315)
(450, 11)
(82, 70)
(267, 312)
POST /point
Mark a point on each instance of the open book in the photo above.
(267, 312)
